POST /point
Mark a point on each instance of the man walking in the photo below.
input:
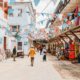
(32, 54)
(14, 53)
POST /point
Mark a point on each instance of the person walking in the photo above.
(31, 54)
(44, 52)
(14, 53)
(40, 50)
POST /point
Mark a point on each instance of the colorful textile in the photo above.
(69, 22)
(72, 51)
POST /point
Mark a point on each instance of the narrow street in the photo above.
(50, 70)
(21, 70)
(39, 39)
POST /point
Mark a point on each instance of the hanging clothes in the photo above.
(72, 51)
(69, 22)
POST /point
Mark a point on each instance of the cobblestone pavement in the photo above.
(66, 69)
(21, 70)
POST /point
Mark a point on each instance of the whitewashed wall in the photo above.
(22, 20)
(11, 42)
(3, 22)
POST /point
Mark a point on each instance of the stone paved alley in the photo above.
(21, 70)
(50, 70)
(45, 26)
(66, 69)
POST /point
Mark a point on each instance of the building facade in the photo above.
(21, 18)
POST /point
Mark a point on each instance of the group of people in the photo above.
(32, 53)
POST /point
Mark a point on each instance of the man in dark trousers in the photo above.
(14, 53)
(31, 54)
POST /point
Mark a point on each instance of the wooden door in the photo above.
(19, 45)
(4, 43)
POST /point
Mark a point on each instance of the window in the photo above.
(10, 11)
(1, 4)
(5, 4)
(15, 28)
(19, 45)
(6, 7)
(20, 12)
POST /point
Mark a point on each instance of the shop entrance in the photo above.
(5, 43)
(19, 49)
(19, 45)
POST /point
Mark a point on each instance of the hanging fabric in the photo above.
(72, 51)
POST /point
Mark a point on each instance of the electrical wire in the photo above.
(44, 7)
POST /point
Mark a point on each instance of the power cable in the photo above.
(44, 7)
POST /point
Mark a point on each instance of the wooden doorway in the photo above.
(5, 43)
(19, 45)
